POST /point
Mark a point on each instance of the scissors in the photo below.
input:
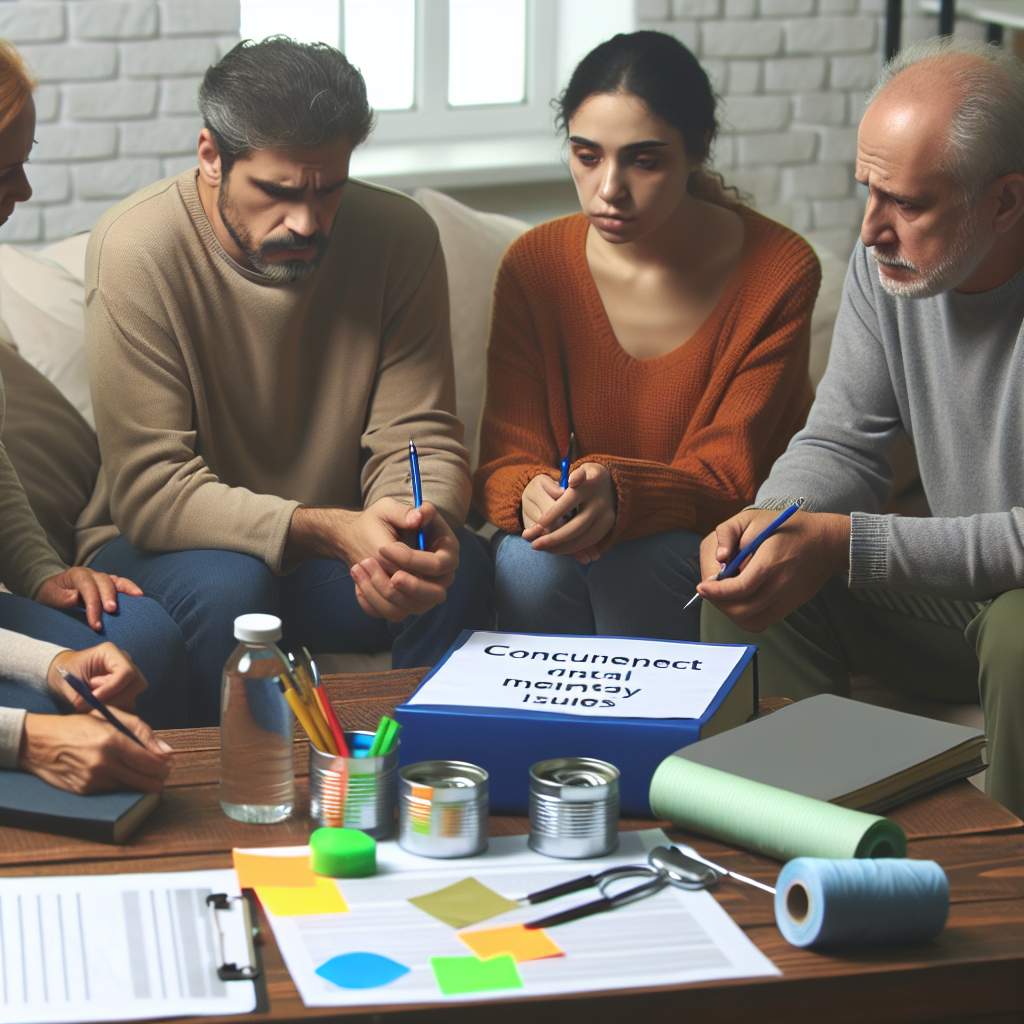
(665, 866)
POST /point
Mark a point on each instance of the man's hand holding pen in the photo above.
(788, 570)
(392, 579)
(591, 491)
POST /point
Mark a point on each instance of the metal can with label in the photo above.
(354, 792)
(574, 807)
(442, 809)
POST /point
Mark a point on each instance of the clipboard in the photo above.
(253, 970)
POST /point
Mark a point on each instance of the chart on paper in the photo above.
(671, 938)
(118, 947)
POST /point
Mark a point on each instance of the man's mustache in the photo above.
(293, 242)
(900, 262)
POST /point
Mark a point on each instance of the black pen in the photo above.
(93, 701)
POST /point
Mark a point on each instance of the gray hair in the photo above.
(986, 137)
(279, 93)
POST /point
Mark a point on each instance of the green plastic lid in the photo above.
(342, 853)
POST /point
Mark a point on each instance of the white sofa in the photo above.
(41, 315)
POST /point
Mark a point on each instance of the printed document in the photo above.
(671, 938)
(592, 676)
(118, 947)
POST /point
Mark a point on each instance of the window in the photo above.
(439, 69)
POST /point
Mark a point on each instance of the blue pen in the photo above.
(733, 568)
(93, 701)
(566, 462)
(417, 486)
(564, 482)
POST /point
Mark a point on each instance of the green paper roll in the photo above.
(772, 821)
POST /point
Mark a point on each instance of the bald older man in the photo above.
(929, 340)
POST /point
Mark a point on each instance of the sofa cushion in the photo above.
(42, 302)
(826, 309)
(52, 448)
(473, 244)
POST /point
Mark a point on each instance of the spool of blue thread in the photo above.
(860, 902)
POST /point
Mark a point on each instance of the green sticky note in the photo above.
(457, 975)
(463, 903)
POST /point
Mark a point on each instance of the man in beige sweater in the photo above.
(265, 336)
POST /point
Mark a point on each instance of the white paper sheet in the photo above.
(118, 947)
(596, 677)
(667, 939)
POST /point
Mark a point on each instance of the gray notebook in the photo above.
(845, 752)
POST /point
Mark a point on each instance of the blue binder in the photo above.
(507, 742)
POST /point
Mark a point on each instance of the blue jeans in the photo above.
(204, 591)
(636, 588)
(140, 627)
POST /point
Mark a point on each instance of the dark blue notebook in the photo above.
(28, 802)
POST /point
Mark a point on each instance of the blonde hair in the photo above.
(17, 83)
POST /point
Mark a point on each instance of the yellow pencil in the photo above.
(300, 713)
(308, 694)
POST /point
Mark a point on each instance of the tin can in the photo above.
(442, 809)
(354, 792)
(574, 807)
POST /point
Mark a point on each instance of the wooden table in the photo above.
(974, 971)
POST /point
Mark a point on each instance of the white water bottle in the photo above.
(257, 768)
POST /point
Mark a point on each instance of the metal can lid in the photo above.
(450, 781)
(575, 779)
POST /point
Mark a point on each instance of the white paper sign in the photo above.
(591, 676)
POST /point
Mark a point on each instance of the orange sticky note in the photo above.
(519, 942)
(256, 871)
(293, 901)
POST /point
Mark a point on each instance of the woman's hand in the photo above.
(86, 754)
(108, 671)
(538, 496)
(95, 590)
(591, 492)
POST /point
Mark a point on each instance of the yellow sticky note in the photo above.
(293, 901)
(256, 871)
(519, 942)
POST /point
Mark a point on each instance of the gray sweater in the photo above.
(950, 371)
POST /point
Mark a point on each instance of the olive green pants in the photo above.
(818, 647)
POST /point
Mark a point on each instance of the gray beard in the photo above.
(281, 271)
(964, 255)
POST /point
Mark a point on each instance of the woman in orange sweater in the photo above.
(667, 327)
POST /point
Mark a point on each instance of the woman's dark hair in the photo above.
(659, 70)
(280, 93)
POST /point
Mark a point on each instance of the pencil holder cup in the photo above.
(354, 792)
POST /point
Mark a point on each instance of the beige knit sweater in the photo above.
(224, 400)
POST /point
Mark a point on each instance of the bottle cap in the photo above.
(255, 628)
(342, 853)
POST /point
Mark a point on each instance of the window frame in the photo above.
(432, 119)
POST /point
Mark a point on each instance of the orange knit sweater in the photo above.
(688, 436)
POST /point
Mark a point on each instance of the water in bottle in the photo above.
(257, 770)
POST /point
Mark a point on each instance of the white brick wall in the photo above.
(792, 74)
(116, 104)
